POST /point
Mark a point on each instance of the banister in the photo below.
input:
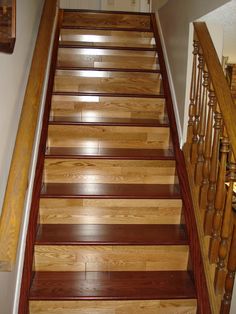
(13, 206)
(222, 91)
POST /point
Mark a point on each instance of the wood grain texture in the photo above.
(71, 37)
(90, 190)
(130, 285)
(110, 258)
(108, 107)
(221, 87)
(109, 171)
(114, 307)
(106, 20)
(108, 82)
(108, 137)
(17, 185)
(121, 211)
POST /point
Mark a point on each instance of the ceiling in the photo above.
(226, 17)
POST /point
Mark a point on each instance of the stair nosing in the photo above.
(122, 29)
(79, 46)
(65, 93)
(134, 70)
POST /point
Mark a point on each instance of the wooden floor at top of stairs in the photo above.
(127, 285)
(109, 153)
(100, 190)
(97, 234)
(96, 121)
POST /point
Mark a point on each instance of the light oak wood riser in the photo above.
(105, 211)
(107, 38)
(104, 58)
(113, 107)
(108, 137)
(114, 307)
(108, 82)
(110, 258)
(109, 171)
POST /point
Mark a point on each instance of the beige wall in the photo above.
(175, 18)
(80, 4)
(13, 79)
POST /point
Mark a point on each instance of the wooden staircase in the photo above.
(110, 234)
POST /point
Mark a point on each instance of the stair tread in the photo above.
(108, 121)
(99, 190)
(115, 234)
(109, 153)
(64, 44)
(127, 285)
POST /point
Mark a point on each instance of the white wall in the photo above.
(14, 71)
(175, 18)
(80, 4)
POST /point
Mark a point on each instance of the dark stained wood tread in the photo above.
(122, 29)
(98, 234)
(129, 285)
(64, 44)
(105, 191)
(64, 93)
(109, 153)
(77, 120)
(74, 68)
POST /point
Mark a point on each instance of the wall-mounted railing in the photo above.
(210, 153)
(13, 207)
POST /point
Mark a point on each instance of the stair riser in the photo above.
(108, 137)
(108, 82)
(114, 307)
(93, 211)
(107, 107)
(110, 258)
(109, 171)
(108, 38)
(104, 58)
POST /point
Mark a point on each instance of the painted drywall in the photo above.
(80, 4)
(13, 79)
(175, 18)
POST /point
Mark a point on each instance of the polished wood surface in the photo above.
(71, 37)
(110, 258)
(15, 194)
(115, 307)
(103, 20)
(108, 137)
(110, 211)
(109, 171)
(95, 190)
(104, 58)
(108, 82)
(130, 285)
(108, 107)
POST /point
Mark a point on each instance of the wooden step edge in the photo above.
(65, 93)
(61, 120)
(109, 153)
(108, 12)
(75, 68)
(122, 29)
(63, 44)
(114, 191)
(129, 285)
(112, 235)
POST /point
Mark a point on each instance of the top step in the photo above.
(106, 20)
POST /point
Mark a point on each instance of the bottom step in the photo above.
(114, 307)
(117, 285)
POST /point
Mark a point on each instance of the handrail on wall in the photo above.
(13, 206)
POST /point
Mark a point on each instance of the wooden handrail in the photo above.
(222, 91)
(13, 206)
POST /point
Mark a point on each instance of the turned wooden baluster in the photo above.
(219, 201)
(192, 104)
(226, 229)
(207, 152)
(213, 174)
(193, 150)
(202, 129)
(229, 280)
